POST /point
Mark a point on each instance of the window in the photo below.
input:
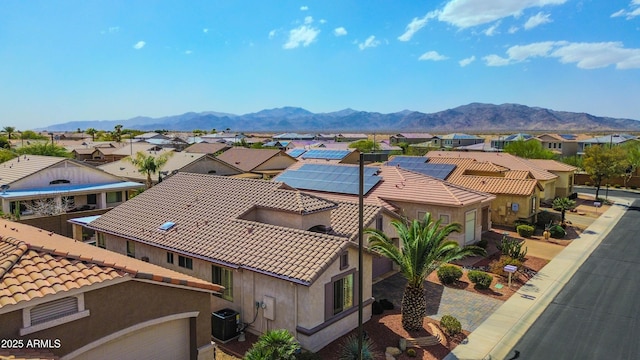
(170, 257)
(114, 197)
(559, 145)
(53, 313)
(444, 219)
(102, 241)
(533, 205)
(131, 249)
(379, 222)
(342, 294)
(344, 260)
(224, 277)
(185, 262)
(92, 199)
(421, 215)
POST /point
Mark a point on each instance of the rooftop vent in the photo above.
(167, 226)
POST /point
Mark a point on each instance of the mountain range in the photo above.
(474, 117)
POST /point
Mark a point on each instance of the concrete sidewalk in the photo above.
(497, 335)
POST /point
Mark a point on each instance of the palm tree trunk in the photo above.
(414, 308)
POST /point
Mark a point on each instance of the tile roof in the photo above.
(26, 165)
(249, 159)
(552, 165)
(503, 159)
(209, 213)
(414, 135)
(206, 148)
(177, 161)
(460, 136)
(133, 147)
(35, 263)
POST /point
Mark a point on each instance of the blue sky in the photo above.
(111, 60)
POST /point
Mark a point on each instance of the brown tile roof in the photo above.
(249, 159)
(503, 159)
(35, 263)
(26, 165)
(84, 151)
(209, 215)
(518, 174)
(552, 165)
(133, 147)
(177, 161)
(206, 148)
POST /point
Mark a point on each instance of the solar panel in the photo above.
(296, 152)
(330, 178)
(407, 160)
(439, 171)
(568, 136)
(326, 154)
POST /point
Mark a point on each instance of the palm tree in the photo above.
(424, 247)
(149, 164)
(9, 130)
(118, 132)
(563, 204)
(92, 132)
(274, 345)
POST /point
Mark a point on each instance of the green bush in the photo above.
(483, 243)
(512, 247)
(546, 217)
(450, 325)
(349, 349)
(525, 230)
(617, 186)
(497, 266)
(481, 279)
(448, 274)
(520, 222)
(557, 232)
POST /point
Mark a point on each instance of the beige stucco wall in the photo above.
(549, 187)
(564, 183)
(503, 215)
(66, 170)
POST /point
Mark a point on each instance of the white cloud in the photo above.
(340, 31)
(468, 13)
(433, 56)
(584, 55)
(417, 24)
(513, 30)
(205, 30)
(632, 12)
(188, 52)
(308, 20)
(303, 35)
(371, 42)
(493, 29)
(139, 45)
(322, 21)
(304, 8)
(114, 29)
(272, 34)
(537, 20)
(467, 61)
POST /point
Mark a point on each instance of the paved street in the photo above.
(596, 315)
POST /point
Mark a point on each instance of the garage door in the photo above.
(169, 340)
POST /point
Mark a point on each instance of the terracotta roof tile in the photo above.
(25, 165)
(208, 212)
(552, 165)
(206, 148)
(249, 159)
(503, 159)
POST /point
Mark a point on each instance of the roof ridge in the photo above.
(11, 259)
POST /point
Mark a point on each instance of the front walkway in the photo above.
(470, 308)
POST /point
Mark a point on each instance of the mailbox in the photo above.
(510, 268)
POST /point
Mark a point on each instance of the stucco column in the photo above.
(102, 200)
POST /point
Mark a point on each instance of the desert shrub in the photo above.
(411, 352)
(525, 230)
(481, 279)
(512, 247)
(557, 232)
(349, 349)
(546, 217)
(483, 243)
(448, 274)
(518, 223)
(450, 325)
(586, 183)
(497, 266)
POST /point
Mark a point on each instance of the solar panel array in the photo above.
(418, 164)
(568, 136)
(330, 178)
(296, 152)
(326, 154)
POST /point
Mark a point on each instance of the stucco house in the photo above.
(31, 179)
(287, 260)
(410, 138)
(82, 302)
(609, 140)
(258, 163)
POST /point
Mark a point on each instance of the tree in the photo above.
(563, 204)
(118, 133)
(9, 130)
(43, 149)
(274, 345)
(364, 146)
(149, 164)
(6, 155)
(4, 143)
(92, 132)
(602, 162)
(633, 159)
(49, 207)
(530, 149)
(424, 247)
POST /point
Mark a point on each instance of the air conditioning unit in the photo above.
(225, 325)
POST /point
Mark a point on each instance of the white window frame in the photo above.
(26, 316)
